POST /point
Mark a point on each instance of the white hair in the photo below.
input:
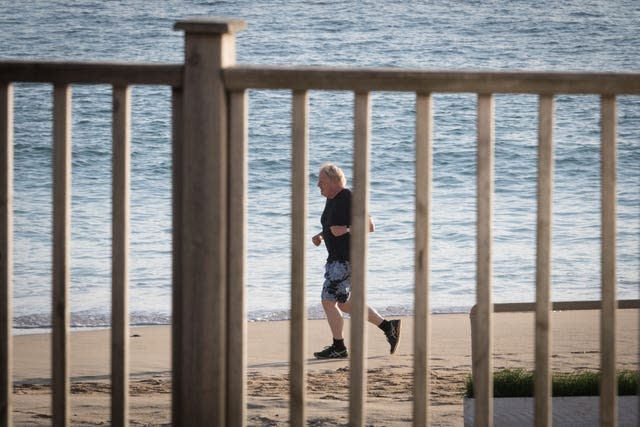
(334, 173)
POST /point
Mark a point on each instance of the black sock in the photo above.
(338, 344)
(384, 325)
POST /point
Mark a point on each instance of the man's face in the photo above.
(324, 184)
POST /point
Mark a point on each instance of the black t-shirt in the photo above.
(337, 211)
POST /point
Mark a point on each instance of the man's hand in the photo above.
(317, 239)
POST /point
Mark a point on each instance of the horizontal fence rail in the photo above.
(210, 131)
(114, 73)
(407, 80)
(513, 307)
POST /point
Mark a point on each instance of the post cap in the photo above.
(210, 25)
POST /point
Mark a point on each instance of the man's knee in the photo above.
(326, 303)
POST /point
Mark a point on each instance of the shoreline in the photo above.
(575, 346)
(141, 320)
(275, 315)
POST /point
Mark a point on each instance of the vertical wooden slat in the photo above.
(299, 186)
(424, 162)
(483, 385)
(238, 183)
(120, 255)
(61, 249)
(608, 385)
(176, 303)
(543, 263)
(204, 204)
(359, 230)
(6, 248)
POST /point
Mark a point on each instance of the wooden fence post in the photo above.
(6, 249)
(201, 272)
(608, 383)
(60, 314)
(121, 177)
(483, 366)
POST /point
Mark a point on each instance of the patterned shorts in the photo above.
(337, 284)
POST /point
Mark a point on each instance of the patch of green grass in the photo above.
(520, 383)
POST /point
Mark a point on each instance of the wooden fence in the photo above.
(209, 110)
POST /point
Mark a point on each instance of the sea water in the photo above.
(440, 35)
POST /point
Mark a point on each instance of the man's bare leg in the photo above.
(373, 316)
(334, 317)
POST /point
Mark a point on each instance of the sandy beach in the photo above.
(575, 347)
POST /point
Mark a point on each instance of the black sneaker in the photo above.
(393, 334)
(331, 353)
